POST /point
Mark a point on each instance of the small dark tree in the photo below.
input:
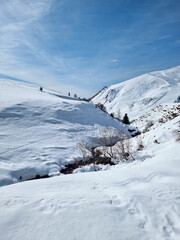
(178, 99)
(69, 94)
(41, 89)
(112, 115)
(75, 95)
(126, 119)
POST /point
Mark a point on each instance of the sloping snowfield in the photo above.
(39, 130)
(129, 201)
(138, 95)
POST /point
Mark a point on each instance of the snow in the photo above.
(39, 130)
(158, 116)
(135, 200)
(138, 95)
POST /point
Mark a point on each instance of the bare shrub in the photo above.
(148, 125)
(111, 143)
(162, 120)
(118, 115)
(122, 149)
(108, 138)
(140, 145)
(83, 150)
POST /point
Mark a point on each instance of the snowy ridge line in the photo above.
(100, 91)
(138, 95)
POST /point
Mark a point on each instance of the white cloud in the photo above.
(114, 60)
(22, 32)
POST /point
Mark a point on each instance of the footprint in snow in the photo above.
(132, 211)
(142, 224)
(167, 231)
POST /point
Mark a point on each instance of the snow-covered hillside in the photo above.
(39, 130)
(132, 200)
(138, 95)
(138, 200)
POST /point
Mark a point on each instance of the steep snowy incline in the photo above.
(39, 131)
(138, 95)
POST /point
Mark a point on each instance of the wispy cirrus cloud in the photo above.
(20, 31)
(23, 50)
(82, 45)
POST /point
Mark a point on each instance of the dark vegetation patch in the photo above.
(134, 132)
(37, 177)
(69, 168)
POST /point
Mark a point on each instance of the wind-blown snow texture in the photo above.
(138, 95)
(39, 130)
(129, 201)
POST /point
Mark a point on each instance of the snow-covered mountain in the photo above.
(138, 95)
(137, 199)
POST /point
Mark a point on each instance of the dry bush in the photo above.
(162, 120)
(118, 115)
(140, 145)
(112, 143)
(84, 150)
(108, 138)
(122, 150)
(148, 125)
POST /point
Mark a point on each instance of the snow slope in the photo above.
(129, 201)
(39, 130)
(138, 95)
(139, 200)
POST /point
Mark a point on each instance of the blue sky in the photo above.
(83, 45)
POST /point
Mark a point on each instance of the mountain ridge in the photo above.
(138, 95)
